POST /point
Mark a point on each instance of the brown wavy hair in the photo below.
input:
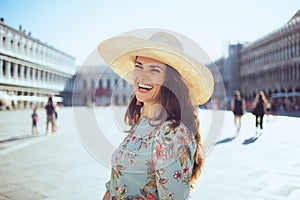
(175, 99)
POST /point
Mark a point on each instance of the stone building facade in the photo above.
(271, 64)
(100, 86)
(30, 70)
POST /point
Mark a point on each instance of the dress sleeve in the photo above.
(172, 156)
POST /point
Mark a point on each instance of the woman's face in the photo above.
(148, 76)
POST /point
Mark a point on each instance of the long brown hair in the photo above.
(175, 99)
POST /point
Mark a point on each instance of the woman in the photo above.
(238, 108)
(50, 110)
(160, 157)
(259, 110)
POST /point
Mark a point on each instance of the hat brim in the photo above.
(119, 53)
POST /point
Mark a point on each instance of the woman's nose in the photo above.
(143, 73)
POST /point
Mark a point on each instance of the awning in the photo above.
(288, 94)
(5, 97)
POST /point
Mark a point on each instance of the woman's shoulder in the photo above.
(168, 127)
(180, 135)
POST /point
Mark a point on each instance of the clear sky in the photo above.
(76, 27)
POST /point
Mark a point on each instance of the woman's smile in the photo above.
(143, 87)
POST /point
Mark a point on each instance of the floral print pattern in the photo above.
(153, 162)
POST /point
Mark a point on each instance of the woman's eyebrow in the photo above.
(139, 63)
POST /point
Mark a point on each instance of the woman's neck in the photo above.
(151, 110)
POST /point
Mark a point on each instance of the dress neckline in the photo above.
(150, 121)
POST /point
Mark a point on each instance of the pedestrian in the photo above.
(259, 110)
(50, 111)
(238, 108)
(34, 117)
(268, 108)
(55, 118)
(160, 158)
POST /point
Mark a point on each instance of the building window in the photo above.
(4, 42)
(12, 66)
(25, 49)
(116, 82)
(19, 71)
(298, 71)
(108, 84)
(84, 84)
(93, 84)
(12, 45)
(25, 71)
(31, 73)
(117, 100)
(100, 84)
(19, 49)
(124, 84)
(124, 100)
(36, 74)
(4, 67)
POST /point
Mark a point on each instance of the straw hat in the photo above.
(119, 53)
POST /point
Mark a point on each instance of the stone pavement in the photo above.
(50, 167)
(59, 167)
(268, 168)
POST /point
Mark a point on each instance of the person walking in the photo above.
(259, 110)
(50, 111)
(160, 158)
(238, 108)
(34, 118)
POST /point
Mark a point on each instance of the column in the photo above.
(43, 75)
(49, 77)
(27, 72)
(15, 70)
(38, 75)
(22, 72)
(24, 102)
(27, 48)
(8, 69)
(33, 74)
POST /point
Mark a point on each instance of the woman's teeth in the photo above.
(145, 87)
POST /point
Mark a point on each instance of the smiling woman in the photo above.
(148, 76)
(160, 158)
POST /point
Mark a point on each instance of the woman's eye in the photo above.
(139, 66)
(155, 70)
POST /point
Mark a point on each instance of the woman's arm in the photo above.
(106, 196)
(173, 157)
(107, 193)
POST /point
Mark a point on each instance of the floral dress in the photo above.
(153, 162)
